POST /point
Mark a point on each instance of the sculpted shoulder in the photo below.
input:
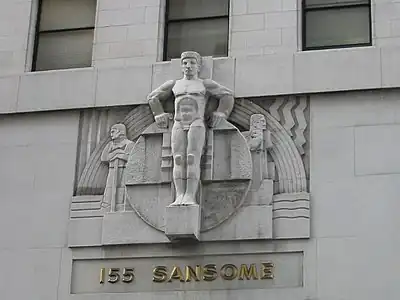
(168, 85)
(162, 90)
(209, 83)
(215, 88)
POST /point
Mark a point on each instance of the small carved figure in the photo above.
(259, 140)
(258, 126)
(188, 132)
(116, 155)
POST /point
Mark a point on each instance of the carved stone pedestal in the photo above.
(182, 222)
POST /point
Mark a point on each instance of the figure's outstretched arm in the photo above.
(160, 94)
(223, 94)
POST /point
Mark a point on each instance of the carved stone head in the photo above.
(191, 63)
(118, 131)
(257, 122)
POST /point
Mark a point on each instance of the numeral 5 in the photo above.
(128, 275)
(113, 275)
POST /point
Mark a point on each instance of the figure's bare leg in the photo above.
(178, 144)
(196, 139)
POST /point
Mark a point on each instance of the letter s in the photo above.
(160, 274)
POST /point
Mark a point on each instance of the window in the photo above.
(197, 25)
(336, 23)
(64, 34)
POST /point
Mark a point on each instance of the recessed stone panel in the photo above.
(187, 273)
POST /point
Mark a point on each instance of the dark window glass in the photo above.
(198, 25)
(65, 34)
(336, 23)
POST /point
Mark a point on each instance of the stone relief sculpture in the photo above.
(259, 141)
(258, 134)
(189, 130)
(115, 154)
(290, 112)
(190, 172)
(191, 150)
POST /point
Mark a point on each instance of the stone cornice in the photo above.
(266, 75)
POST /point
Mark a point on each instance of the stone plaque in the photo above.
(187, 273)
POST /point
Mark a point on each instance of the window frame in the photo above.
(184, 20)
(305, 10)
(39, 32)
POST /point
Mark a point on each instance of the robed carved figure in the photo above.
(115, 154)
(189, 129)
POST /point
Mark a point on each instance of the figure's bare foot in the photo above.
(178, 200)
(188, 200)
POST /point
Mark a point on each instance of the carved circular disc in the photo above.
(226, 174)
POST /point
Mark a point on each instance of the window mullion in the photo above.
(66, 29)
(335, 6)
(198, 19)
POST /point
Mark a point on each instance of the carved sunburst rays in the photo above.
(290, 111)
(93, 178)
(289, 165)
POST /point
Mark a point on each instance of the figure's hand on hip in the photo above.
(162, 120)
(216, 118)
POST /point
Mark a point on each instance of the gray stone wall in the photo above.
(352, 151)
(128, 32)
(354, 185)
(37, 157)
(15, 29)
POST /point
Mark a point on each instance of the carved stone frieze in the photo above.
(228, 181)
(204, 148)
(290, 170)
(292, 112)
(251, 165)
(94, 136)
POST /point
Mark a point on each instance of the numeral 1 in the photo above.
(102, 270)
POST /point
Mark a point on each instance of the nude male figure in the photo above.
(189, 129)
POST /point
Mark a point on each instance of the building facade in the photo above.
(320, 80)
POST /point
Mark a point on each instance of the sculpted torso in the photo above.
(190, 101)
(188, 132)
